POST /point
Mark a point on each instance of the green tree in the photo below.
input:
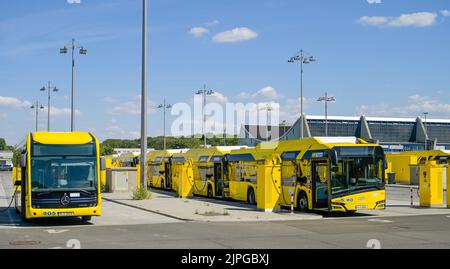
(2, 144)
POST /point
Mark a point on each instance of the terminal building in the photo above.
(394, 134)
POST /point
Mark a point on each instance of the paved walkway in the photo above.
(203, 209)
(214, 210)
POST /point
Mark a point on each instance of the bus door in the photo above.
(226, 177)
(218, 179)
(320, 180)
(168, 173)
(288, 180)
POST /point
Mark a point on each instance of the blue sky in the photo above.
(380, 59)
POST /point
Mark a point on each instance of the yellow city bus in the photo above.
(60, 176)
(243, 172)
(159, 168)
(331, 173)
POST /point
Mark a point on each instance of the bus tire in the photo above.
(210, 192)
(251, 200)
(302, 202)
(86, 219)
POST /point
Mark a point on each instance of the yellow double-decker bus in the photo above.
(60, 176)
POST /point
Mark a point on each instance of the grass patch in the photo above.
(212, 213)
(141, 193)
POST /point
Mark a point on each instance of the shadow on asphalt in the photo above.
(241, 206)
(12, 219)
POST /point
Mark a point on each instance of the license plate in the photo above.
(361, 207)
(65, 214)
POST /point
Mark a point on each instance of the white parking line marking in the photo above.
(380, 220)
(53, 231)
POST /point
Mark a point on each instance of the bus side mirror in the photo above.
(385, 164)
(17, 183)
(102, 163)
(335, 169)
(23, 160)
(333, 157)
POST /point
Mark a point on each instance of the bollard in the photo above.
(411, 193)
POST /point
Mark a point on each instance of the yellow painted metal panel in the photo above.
(74, 138)
(431, 184)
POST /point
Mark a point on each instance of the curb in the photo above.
(145, 209)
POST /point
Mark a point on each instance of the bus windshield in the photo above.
(55, 167)
(358, 168)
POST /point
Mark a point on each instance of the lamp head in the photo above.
(83, 51)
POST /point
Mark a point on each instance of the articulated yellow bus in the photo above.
(60, 175)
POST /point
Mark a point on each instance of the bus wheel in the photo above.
(251, 197)
(210, 192)
(302, 202)
(85, 219)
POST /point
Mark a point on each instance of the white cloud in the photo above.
(235, 35)
(132, 107)
(60, 112)
(13, 102)
(218, 98)
(417, 104)
(198, 31)
(212, 23)
(445, 13)
(418, 19)
(374, 1)
(373, 20)
(266, 93)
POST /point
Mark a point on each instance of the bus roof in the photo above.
(56, 138)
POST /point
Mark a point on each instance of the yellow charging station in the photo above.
(183, 178)
(448, 182)
(431, 184)
(108, 163)
(269, 183)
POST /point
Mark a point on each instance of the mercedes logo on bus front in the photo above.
(65, 200)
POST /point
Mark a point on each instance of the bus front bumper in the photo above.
(375, 200)
(66, 212)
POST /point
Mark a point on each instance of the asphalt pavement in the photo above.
(125, 227)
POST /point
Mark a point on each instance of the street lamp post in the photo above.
(326, 99)
(204, 92)
(284, 123)
(268, 108)
(49, 89)
(426, 130)
(165, 106)
(37, 106)
(303, 59)
(72, 46)
(144, 95)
